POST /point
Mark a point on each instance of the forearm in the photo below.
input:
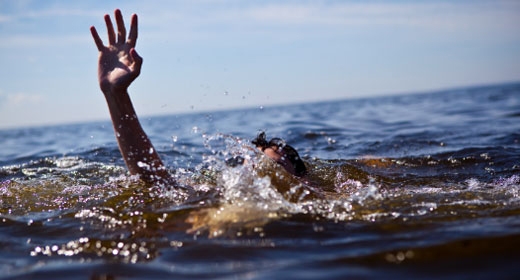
(136, 148)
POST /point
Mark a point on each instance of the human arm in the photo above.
(119, 65)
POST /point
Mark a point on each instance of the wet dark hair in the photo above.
(287, 151)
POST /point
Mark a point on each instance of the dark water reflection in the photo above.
(407, 186)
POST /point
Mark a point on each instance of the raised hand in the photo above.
(119, 63)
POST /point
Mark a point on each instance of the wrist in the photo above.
(113, 91)
(119, 102)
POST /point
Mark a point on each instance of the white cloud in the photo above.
(417, 14)
(200, 20)
(18, 99)
(63, 12)
(20, 108)
(39, 11)
(190, 18)
(39, 41)
(5, 18)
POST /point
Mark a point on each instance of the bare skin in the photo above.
(119, 65)
(275, 154)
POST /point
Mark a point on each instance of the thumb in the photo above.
(137, 61)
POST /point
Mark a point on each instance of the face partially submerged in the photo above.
(282, 153)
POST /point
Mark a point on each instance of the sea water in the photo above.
(410, 186)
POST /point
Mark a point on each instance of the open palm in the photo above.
(119, 63)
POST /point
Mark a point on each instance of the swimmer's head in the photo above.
(282, 153)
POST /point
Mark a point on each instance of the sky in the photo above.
(222, 54)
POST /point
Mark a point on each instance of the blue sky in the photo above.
(219, 54)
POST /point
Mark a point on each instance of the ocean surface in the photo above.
(407, 186)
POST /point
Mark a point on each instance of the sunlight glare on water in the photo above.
(404, 186)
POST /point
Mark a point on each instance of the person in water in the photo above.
(119, 65)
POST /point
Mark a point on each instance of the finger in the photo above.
(97, 40)
(138, 60)
(110, 30)
(132, 37)
(121, 31)
(136, 65)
